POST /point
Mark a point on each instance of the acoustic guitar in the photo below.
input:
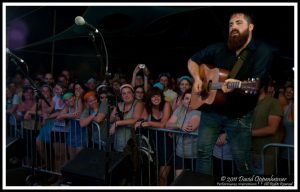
(212, 81)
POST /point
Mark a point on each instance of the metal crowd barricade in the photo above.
(222, 161)
(277, 145)
(28, 140)
(12, 130)
(149, 147)
(79, 137)
(98, 136)
(12, 138)
(94, 138)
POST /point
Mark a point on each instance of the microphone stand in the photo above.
(106, 76)
(98, 52)
(108, 139)
(112, 101)
(98, 55)
(30, 179)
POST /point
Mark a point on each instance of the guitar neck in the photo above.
(218, 85)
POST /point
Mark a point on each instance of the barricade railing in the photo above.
(12, 141)
(47, 140)
(91, 137)
(277, 146)
(12, 130)
(29, 140)
(150, 147)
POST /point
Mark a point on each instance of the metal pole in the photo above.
(53, 42)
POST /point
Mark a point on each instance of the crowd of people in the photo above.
(94, 101)
(227, 140)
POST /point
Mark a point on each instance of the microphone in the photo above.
(10, 54)
(81, 22)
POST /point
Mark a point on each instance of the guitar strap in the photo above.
(237, 66)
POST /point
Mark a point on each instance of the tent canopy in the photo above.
(164, 36)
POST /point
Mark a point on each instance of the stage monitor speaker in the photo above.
(89, 167)
(189, 178)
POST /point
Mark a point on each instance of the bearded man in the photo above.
(234, 115)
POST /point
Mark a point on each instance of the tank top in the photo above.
(128, 114)
(152, 118)
(123, 133)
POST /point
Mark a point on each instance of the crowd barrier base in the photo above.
(88, 168)
(190, 178)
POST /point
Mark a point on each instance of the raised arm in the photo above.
(146, 78)
(135, 71)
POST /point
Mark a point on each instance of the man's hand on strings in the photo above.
(225, 87)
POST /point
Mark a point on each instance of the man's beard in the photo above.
(236, 42)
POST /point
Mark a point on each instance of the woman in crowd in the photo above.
(124, 116)
(139, 93)
(184, 83)
(94, 111)
(140, 76)
(44, 125)
(156, 114)
(79, 91)
(64, 125)
(187, 120)
(27, 102)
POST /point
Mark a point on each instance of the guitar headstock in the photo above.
(250, 86)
